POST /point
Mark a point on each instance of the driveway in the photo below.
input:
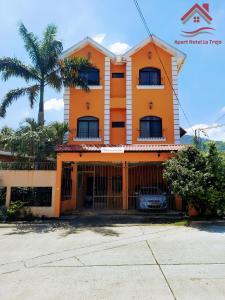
(76, 260)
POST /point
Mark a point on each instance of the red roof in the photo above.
(127, 148)
(200, 10)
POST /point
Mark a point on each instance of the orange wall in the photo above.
(118, 85)
(79, 98)
(162, 99)
(118, 135)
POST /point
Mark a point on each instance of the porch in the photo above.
(90, 178)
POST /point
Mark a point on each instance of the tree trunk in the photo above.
(41, 118)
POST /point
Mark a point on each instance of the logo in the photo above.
(197, 15)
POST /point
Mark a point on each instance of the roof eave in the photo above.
(181, 56)
(85, 42)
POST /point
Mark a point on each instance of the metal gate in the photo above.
(146, 175)
(99, 186)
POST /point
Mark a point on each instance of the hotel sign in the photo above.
(112, 149)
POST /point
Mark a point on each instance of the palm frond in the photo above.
(32, 45)
(29, 124)
(50, 48)
(14, 94)
(54, 80)
(70, 69)
(13, 67)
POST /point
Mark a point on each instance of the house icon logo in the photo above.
(197, 15)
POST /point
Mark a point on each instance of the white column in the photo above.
(107, 102)
(129, 100)
(66, 100)
(175, 102)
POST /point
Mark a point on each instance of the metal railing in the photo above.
(84, 135)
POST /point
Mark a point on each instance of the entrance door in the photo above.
(118, 127)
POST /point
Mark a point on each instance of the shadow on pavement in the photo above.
(66, 227)
(209, 226)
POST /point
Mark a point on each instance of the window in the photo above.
(118, 124)
(32, 196)
(151, 127)
(2, 196)
(117, 75)
(149, 76)
(116, 184)
(91, 75)
(88, 127)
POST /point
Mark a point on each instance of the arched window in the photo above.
(150, 127)
(149, 76)
(88, 127)
(91, 75)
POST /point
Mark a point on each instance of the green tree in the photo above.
(199, 177)
(46, 69)
(32, 140)
(216, 182)
(187, 176)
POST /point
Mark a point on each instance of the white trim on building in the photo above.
(175, 101)
(129, 101)
(92, 87)
(150, 87)
(107, 101)
(66, 100)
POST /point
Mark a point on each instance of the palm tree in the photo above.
(59, 131)
(46, 69)
(29, 124)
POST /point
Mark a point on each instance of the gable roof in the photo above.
(162, 44)
(122, 58)
(88, 41)
(197, 9)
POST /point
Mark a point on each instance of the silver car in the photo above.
(151, 198)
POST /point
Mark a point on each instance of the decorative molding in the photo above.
(91, 87)
(176, 116)
(153, 139)
(66, 100)
(129, 101)
(83, 43)
(150, 87)
(87, 139)
(163, 45)
(107, 101)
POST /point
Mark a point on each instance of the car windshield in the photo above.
(150, 190)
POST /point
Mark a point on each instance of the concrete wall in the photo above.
(13, 178)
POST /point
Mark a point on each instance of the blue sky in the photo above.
(116, 25)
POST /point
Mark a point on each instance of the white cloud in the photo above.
(222, 111)
(54, 104)
(99, 38)
(217, 134)
(119, 48)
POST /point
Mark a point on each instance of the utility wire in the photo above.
(156, 50)
(220, 118)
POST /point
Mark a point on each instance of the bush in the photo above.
(199, 178)
(13, 212)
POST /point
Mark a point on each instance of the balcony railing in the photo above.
(86, 135)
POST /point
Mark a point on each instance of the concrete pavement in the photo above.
(70, 260)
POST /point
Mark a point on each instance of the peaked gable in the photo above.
(161, 44)
(88, 41)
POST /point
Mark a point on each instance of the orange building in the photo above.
(122, 130)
